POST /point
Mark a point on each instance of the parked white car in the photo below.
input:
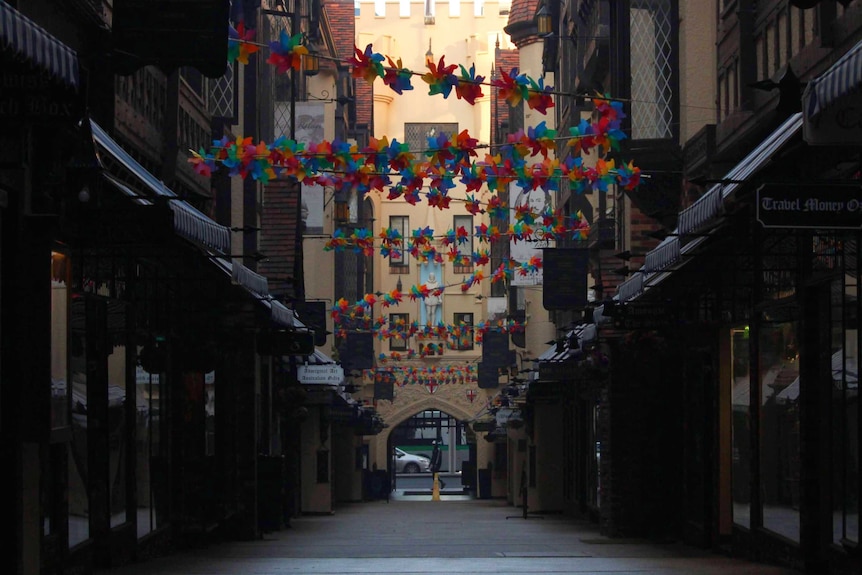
(409, 463)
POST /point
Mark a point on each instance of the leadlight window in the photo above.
(399, 257)
(463, 331)
(652, 69)
(465, 251)
(398, 326)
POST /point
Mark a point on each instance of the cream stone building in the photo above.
(464, 33)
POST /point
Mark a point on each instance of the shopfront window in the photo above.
(151, 471)
(79, 501)
(778, 360)
(845, 407)
(117, 427)
(741, 426)
(59, 340)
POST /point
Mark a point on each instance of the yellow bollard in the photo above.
(435, 492)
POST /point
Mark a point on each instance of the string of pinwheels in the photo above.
(286, 53)
(383, 166)
(421, 244)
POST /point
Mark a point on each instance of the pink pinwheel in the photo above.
(287, 53)
(367, 65)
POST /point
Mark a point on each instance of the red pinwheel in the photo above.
(367, 65)
(472, 206)
(512, 86)
(469, 85)
(539, 96)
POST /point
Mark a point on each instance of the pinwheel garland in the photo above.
(530, 267)
(287, 52)
(474, 279)
(363, 241)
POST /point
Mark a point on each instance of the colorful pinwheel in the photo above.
(287, 52)
(367, 65)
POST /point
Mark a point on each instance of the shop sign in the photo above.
(331, 374)
(557, 370)
(821, 207)
(645, 316)
(565, 284)
(33, 95)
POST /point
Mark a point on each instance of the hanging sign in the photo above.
(565, 286)
(821, 207)
(327, 374)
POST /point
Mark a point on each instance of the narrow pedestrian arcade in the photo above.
(457, 534)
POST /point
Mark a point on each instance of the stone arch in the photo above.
(396, 416)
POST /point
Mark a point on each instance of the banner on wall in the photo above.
(520, 250)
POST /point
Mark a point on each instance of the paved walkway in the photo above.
(456, 535)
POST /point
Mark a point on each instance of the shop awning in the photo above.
(833, 103)
(704, 214)
(26, 38)
(189, 222)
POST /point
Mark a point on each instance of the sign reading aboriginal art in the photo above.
(326, 374)
(833, 207)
